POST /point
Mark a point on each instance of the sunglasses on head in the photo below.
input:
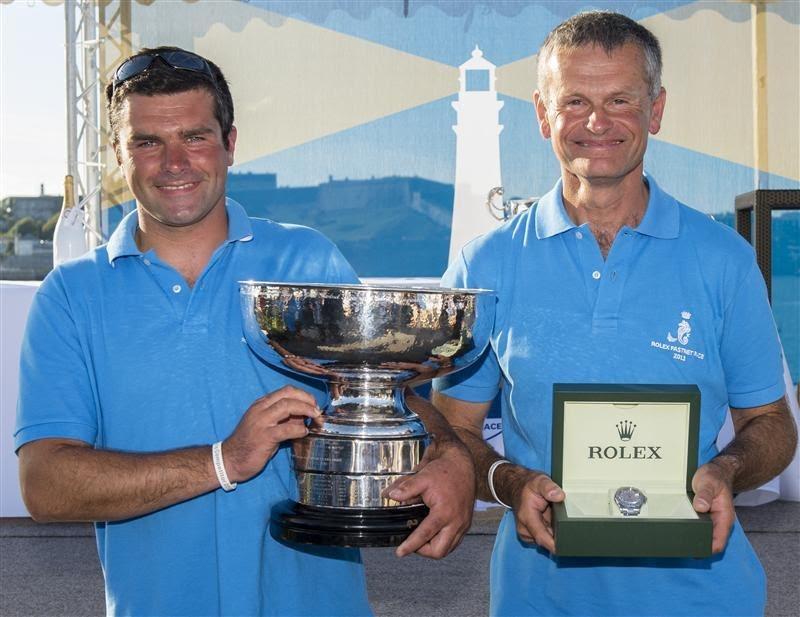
(179, 60)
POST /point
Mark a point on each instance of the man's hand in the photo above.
(445, 481)
(273, 418)
(764, 444)
(531, 492)
(121, 485)
(712, 494)
(528, 492)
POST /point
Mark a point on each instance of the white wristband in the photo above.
(219, 467)
(490, 478)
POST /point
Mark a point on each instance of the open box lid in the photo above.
(609, 435)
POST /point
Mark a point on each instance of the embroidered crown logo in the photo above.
(625, 430)
(684, 330)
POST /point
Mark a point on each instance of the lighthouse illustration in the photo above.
(477, 131)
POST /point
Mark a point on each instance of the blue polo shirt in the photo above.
(121, 353)
(678, 300)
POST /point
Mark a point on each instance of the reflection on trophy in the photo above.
(367, 344)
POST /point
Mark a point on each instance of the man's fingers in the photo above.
(287, 431)
(706, 490)
(286, 393)
(285, 409)
(423, 534)
(427, 530)
(706, 485)
(722, 519)
(534, 514)
(442, 544)
(702, 501)
(542, 536)
(536, 531)
(524, 534)
(406, 490)
(722, 524)
(275, 417)
(548, 489)
(713, 495)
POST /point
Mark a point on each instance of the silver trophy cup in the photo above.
(367, 343)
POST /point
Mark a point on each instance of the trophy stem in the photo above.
(365, 402)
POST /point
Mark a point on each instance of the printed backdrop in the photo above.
(347, 122)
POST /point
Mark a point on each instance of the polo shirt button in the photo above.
(596, 275)
(579, 235)
(146, 262)
(176, 289)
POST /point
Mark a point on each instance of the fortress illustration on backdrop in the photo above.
(397, 225)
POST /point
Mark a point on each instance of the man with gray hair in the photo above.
(606, 264)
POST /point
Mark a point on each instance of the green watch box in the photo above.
(625, 455)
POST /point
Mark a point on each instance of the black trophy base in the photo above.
(354, 527)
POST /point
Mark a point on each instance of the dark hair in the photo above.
(610, 31)
(161, 78)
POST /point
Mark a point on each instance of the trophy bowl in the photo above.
(367, 343)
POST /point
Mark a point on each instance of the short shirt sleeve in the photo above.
(480, 382)
(55, 396)
(339, 269)
(749, 347)
(307, 256)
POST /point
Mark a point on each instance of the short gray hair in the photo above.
(610, 31)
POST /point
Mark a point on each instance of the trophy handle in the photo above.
(506, 209)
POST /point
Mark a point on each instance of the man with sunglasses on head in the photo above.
(133, 365)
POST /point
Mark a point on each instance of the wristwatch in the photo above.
(629, 500)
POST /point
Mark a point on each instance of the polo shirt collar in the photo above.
(122, 242)
(551, 217)
(661, 220)
(239, 227)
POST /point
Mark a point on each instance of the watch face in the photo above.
(629, 500)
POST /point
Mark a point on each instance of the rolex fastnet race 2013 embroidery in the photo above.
(678, 343)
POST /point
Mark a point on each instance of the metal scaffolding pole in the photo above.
(83, 116)
(72, 72)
